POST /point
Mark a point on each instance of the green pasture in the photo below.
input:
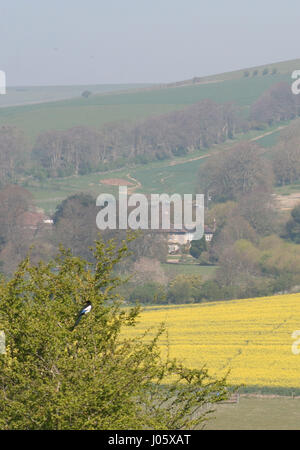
(98, 110)
(251, 413)
(25, 95)
(288, 189)
(178, 175)
(174, 269)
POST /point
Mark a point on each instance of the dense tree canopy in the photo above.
(286, 156)
(93, 377)
(276, 104)
(293, 225)
(81, 149)
(12, 149)
(236, 172)
(197, 247)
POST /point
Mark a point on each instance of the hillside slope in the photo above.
(281, 67)
(98, 110)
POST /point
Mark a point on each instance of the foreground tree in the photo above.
(93, 377)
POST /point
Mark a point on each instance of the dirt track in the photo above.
(268, 133)
(116, 182)
(287, 202)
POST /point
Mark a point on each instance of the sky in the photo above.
(69, 42)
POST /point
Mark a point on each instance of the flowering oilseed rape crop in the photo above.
(251, 337)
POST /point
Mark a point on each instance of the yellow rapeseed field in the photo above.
(252, 337)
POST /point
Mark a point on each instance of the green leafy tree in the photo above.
(198, 247)
(94, 377)
(150, 292)
(184, 289)
(293, 225)
(86, 94)
(239, 171)
(74, 224)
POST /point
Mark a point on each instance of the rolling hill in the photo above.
(138, 103)
(178, 175)
(104, 106)
(27, 95)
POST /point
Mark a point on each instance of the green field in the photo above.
(269, 140)
(172, 270)
(280, 413)
(282, 67)
(24, 95)
(156, 177)
(289, 189)
(177, 175)
(113, 107)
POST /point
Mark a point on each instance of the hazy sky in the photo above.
(122, 41)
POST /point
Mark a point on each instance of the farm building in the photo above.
(176, 238)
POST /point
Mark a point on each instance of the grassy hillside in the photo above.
(282, 67)
(178, 175)
(24, 95)
(250, 337)
(133, 105)
(154, 178)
